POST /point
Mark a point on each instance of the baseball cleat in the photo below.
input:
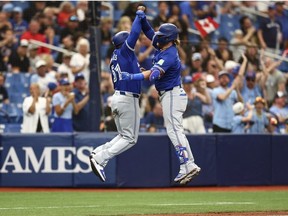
(97, 169)
(184, 178)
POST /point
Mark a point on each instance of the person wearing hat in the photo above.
(36, 110)
(19, 25)
(197, 96)
(224, 97)
(270, 30)
(196, 63)
(19, 60)
(72, 28)
(65, 68)
(250, 89)
(64, 105)
(259, 122)
(280, 109)
(42, 77)
(240, 122)
(81, 92)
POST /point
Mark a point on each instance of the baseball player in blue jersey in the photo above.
(125, 101)
(166, 74)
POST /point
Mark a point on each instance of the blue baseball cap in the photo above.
(79, 76)
(251, 75)
(7, 8)
(52, 86)
(64, 82)
(235, 70)
(187, 79)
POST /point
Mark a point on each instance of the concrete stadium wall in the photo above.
(61, 160)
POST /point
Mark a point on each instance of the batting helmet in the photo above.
(119, 38)
(167, 32)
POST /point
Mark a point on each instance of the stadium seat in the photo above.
(12, 128)
(17, 97)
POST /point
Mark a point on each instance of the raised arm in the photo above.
(135, 33)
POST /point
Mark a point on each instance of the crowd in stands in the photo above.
(232, 84)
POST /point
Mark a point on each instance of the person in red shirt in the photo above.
(66, 10)
(33, 33)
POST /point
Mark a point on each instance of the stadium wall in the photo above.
(61, 160)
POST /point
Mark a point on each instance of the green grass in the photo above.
(92, 203)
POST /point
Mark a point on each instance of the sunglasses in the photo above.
(250, 79)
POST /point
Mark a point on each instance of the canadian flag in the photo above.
(206, 26)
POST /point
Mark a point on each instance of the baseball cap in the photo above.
(238, 107)
(73, 18)
(52, 86)
(196, 56)
(271, 7)
(24, 43)
(64, 82)
(210, 78)
(79, 76)
(280, 94)
(18, 10)
(187, 79)
(196, 76)
(235, 70)
(7, 8)
(251, 75)
(40, 63)
(229, 65)
(221, 73)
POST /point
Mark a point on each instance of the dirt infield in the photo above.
(240, 189)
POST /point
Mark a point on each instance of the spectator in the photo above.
(66, 68)
(175, 18)
(282, 16)
(213, 69)
(280, 109)
(4, 25)
(222, 52)
(8, 9)
(82, 14)
(223, 100)
(66, 10)
(250, 89)
(252, 56)
(35, 112)
(80, 61)
(192, 117)
(269, 32)
(259, 122)
(248, 30)
(33, 33)
(273, 126)
(162, 14)
(240, 122)
(19, 60)
(19, 25)
(81, 99)
(64, 105)
(124, 24)
(272, 80)
(106, 34)
(3, 91)
(41, 77)
(7, 47)
(237, 44)
(33, 57)
(155, 118)
(71, 29)
(196, 63)
(35, 7)
(68, 44)
(108, 124)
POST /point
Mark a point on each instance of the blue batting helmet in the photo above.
(119, 38)
(167, 32)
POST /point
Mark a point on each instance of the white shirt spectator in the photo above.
(30, 121)
(42, 81)
(63, 68)
(79, 60)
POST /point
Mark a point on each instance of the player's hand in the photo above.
(141, 14)
(125, 76)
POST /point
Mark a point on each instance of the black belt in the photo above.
(129, 94)
(166, 90)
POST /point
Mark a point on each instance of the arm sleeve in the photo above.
(56, 100)
(134, 34)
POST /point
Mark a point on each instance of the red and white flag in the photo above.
(206, 26)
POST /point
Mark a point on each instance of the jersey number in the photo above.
(116, 71)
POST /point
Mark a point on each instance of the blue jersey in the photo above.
(169, 63)
(124, 59)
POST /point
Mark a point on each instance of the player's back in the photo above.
(124, 59)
